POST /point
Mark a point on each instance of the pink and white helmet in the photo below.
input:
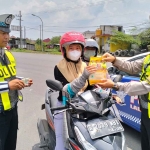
(71, 38)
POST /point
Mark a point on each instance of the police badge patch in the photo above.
(8, 20)
(5, 21)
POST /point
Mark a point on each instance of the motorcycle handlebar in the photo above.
(59, 108)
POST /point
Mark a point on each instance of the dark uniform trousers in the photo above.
(8, 129)
(145, 130)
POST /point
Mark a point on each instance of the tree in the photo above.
(122, 38)
(38, 42)
(55, 40)
(134, 31)
(145, 37)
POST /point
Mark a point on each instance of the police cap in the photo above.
(5, 21)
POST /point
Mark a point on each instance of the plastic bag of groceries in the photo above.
(101, 72)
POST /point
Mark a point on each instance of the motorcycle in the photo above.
(90, 124)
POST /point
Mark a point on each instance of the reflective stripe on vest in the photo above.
(12, 65)
(145, 76)
(6, 72)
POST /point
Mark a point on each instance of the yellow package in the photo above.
(101, 72)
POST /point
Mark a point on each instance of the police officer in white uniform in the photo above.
(141, 88)
(9, 86)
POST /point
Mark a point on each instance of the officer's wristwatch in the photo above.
(115, 87)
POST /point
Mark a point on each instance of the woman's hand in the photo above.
(91, 69)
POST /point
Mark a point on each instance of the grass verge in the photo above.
(47, 51)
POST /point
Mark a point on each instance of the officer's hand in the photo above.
(30, 82)
(16, 84)
(117, 99)
(108, 57)
(106, 83)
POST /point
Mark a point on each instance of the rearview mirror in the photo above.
(117, 78)
(54, 84)
(113, 70)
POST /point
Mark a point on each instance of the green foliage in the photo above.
(27, 41)
(134, 31)
(49, 51)
(145, 37)
(38, 41)
(18, 50)
(122, 38)
(53, 51)
(55, 40)
(38, 47)
(44, 45)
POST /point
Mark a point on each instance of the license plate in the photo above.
(103, 128)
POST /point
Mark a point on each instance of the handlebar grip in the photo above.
(58, 108)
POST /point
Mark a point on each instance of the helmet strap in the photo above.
(84, 59)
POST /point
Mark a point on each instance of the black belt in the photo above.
(144, 98)
(2, 108)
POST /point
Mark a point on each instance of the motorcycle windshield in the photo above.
(91, 98)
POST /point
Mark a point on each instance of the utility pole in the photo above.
(40, 38)
(19, 16)
(24, 37)
(24, 32)
(42, 29)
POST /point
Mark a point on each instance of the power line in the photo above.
(137, 25)
(144, 28)
(30, 28)
(72, 26)
(44, 30)
(90, 4)
(55, 26)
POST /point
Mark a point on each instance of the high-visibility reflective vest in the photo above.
(145, 76)
(7, 71)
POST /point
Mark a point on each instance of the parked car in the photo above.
(129, 112)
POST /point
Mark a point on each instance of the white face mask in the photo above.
(89, 53)
(74, 55)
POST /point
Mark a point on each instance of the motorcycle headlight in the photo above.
(84, 143)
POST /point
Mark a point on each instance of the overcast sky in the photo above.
(60, 16)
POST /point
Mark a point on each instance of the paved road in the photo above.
(39, 67)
